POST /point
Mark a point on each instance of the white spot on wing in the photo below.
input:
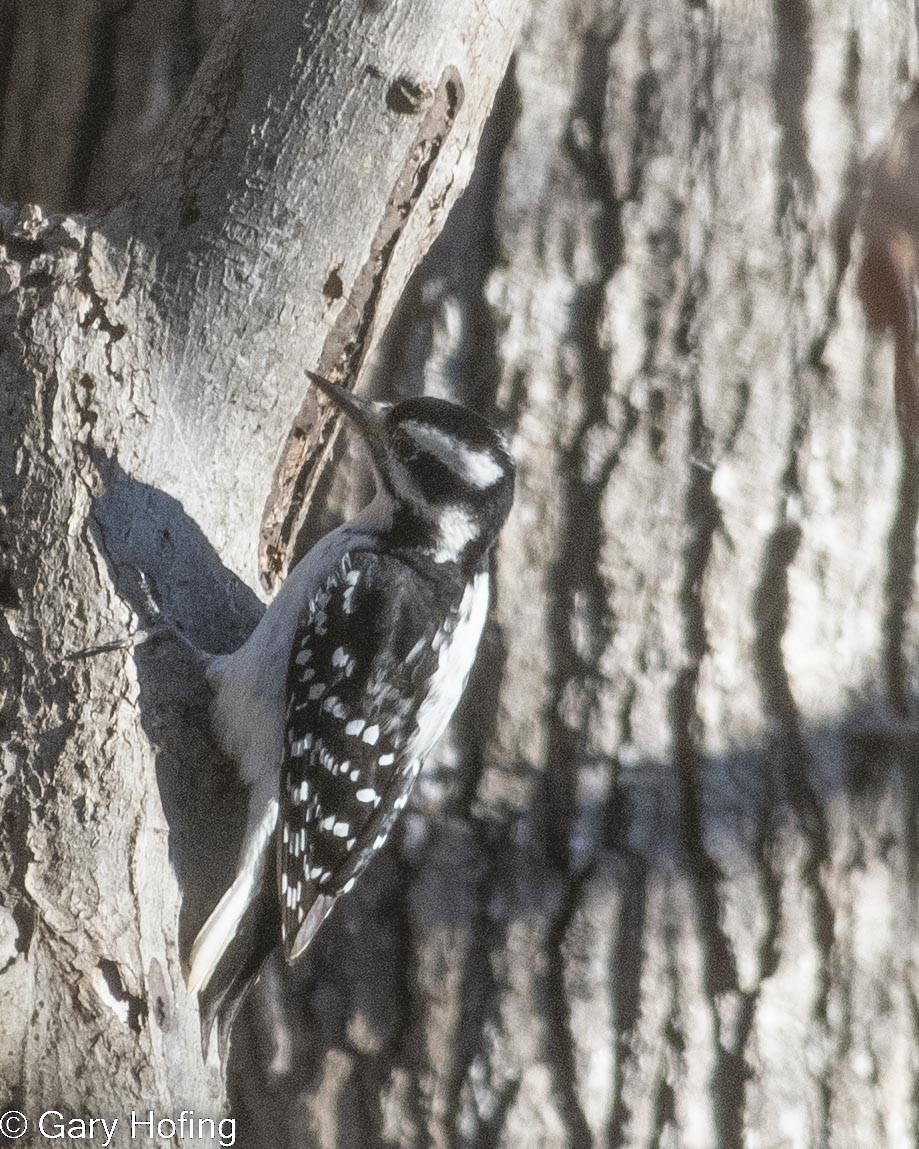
(371, 734)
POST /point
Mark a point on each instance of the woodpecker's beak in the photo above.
(368, 415)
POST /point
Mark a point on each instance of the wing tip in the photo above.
(296, 943)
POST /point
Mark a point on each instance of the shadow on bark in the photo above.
(354, 1029)
(138, 528)
(327, 1046)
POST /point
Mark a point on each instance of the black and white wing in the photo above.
(365, 655)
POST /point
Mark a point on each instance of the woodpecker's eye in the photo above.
(403, 446)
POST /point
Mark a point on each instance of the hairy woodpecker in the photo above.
(354, 671)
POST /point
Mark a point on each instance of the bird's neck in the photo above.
(447, 536)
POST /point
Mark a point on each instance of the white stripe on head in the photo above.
(478, 468)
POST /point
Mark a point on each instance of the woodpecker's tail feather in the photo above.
(219, 931)
(223, 925)
(237, 972)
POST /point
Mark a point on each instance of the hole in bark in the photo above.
(408, 97)
(333, 288)
(137, 1008)
(9, 595)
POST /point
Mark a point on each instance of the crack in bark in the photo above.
(576, 587)
(190, 46)
(8, 19)
(792, 20)
(628, 963)
(405, 1050)
(309, 445)
(719, 972)
(704, 522)
(899, 584)
(479, 991)
(663, 1103)
(136, 1005)
(559, 1048)
(790, 751)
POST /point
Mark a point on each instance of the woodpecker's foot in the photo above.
(154, 625)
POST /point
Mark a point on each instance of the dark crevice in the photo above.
(647, 111)
(578, 598)
(189, 48)
(407, 1050)
(457, 267)
(559, 1048)
(480, 992)
(8, 19)
(913, 1006)
(476, 371)
(703, 523)
(491, 1131)
(15, 827)
(771, 618)
(625, 989)
(719, 973)
(794, 59)
(664, 1118)
(737, 1071)
(100, 96)
(476, 721)
(137, 1007)
(10, 598)
(790, 755)
(899, 584)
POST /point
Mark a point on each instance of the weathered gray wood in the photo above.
(151, 365)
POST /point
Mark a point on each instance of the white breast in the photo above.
(456, 654)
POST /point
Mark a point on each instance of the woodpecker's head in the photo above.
(447, 471)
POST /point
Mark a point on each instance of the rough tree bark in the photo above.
(659, 887)
(153, 415)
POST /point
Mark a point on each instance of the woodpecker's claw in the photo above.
(154, 624)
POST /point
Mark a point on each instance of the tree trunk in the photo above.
(151, 362)
(658, 887)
